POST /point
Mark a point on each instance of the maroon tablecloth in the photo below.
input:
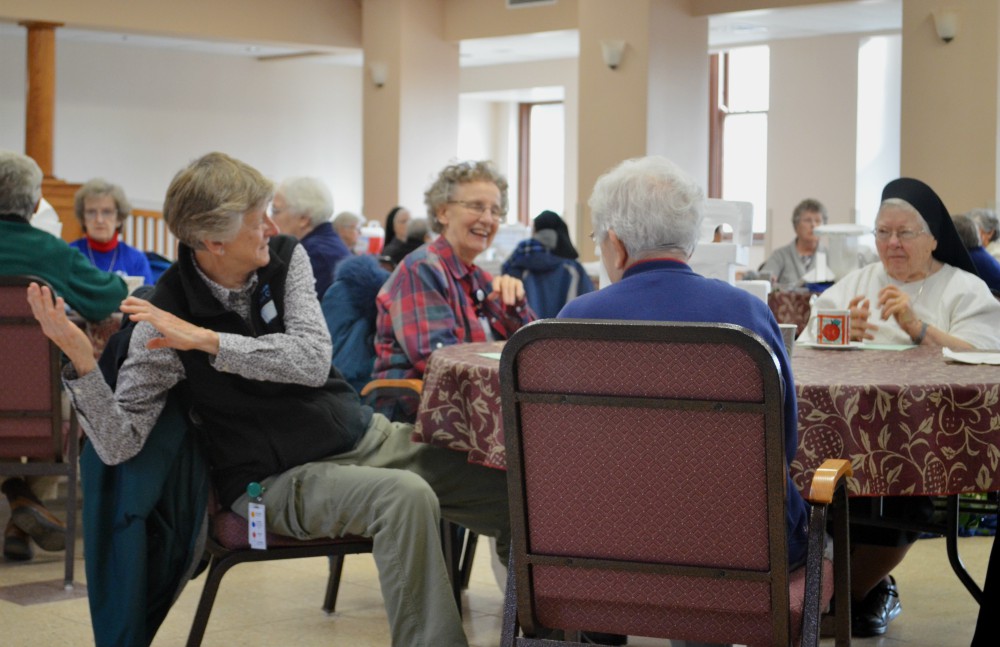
(909, 422)
(460, 406)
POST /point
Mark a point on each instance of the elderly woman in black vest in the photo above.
(236, 325)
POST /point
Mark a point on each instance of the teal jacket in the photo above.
(26, 250)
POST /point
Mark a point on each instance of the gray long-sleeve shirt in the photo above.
(119, 422)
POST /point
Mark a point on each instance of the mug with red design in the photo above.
(833, 327)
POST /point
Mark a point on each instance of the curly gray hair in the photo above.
(451, 176)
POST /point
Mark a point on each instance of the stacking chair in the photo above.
(31, 419)
(646, 473)
(227, 546)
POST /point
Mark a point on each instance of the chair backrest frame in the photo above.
(528, 562)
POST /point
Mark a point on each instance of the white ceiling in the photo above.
(727, 30)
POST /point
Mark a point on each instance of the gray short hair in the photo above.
(416, 229)
(347, 220)
(809, 205)
(96, 188)
(987, 221)
(968, 233)
(307, 196)
(20, 184)
(208, 199)
(651, 204)
(451, 176)
(902, 205)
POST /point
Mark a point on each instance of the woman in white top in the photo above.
(925, 289)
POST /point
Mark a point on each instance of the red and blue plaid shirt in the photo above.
(426, 304)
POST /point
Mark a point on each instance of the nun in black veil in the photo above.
(923, 291)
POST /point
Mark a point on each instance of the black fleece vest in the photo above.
(253, 429)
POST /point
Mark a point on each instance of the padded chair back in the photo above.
(30, 411)
(31, 420)
(646, 476)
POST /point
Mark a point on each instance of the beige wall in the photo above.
(653, 103)
(677, 125)
(709, 7)
(309, 23)
(487, 18)
(949, 102)
(151, 111)
(812, 130)
(410, 124)
(563, 73)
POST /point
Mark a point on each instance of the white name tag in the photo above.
(256, 530)
(268, 312)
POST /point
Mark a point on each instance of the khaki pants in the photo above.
(394, 491)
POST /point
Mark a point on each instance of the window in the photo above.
(541, 160)
(740, 87)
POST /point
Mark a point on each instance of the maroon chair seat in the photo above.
(228, 545)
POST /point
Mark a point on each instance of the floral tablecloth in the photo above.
(460, 406)
(909, 422)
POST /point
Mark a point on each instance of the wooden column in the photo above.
(41, 82)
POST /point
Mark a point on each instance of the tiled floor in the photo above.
(277, 603)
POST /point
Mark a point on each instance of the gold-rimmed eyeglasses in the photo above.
(480, 208)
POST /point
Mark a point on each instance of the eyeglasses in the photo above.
(902, 235)
(481, 208)
(94, 214)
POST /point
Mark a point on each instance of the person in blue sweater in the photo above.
(302, 207)
(646, 214)
(350, 314)
(987, 267)
(547, 265)
(101, 208)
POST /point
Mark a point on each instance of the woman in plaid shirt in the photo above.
(437, 296)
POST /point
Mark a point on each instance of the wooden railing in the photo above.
(147, 231)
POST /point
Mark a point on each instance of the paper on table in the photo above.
(971, 357)
(870, 346)
(495, 356)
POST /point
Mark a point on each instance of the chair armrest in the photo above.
(825, 480)
(384, 383)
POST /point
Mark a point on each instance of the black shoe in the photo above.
(871, 616)
(598, 638)
(16, 544)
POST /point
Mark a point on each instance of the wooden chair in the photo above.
(31, 418)
(227, 545)
(647, 475)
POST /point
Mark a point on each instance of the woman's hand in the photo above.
(896, 303)
(860, 308)
(65, 334)
(177, 333)
(508, 289)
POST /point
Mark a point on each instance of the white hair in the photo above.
(651, 204)
(307, 196)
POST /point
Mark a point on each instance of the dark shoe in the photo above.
(34, 518)
(871, 616)
(16, 544)
(598, 638)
